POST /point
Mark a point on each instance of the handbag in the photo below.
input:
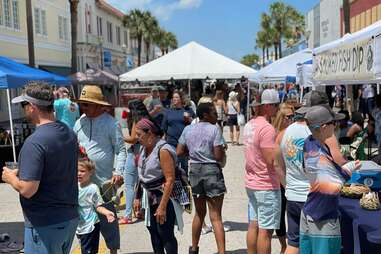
(182, 191)
(241, 119)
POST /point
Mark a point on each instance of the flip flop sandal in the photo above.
(12, 247)
(4, 237)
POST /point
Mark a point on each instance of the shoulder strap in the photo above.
(159, 148)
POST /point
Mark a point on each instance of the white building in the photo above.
(323, 23)
(103, 41)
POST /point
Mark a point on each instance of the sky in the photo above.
(225, 26)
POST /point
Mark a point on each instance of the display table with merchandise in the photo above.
(360, 228)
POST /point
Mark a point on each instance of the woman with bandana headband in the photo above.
(156, 168)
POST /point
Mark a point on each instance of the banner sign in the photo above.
(348, 62)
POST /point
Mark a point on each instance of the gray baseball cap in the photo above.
(321, 114)
(311, 99)
(27, 98)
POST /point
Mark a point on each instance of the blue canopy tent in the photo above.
(15, 75)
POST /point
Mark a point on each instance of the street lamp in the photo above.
(100, 43)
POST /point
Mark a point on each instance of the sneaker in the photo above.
(206, 230)
(125, 220)
(227, 228)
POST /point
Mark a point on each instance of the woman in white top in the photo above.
(233, 109)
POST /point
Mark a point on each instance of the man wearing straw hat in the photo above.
(101, 137)
(46, 177)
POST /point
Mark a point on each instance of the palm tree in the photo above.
(151, 26)
(286, 21)
(134, 21)
(160, 39)
(260, 42)
(268, 33)
(74, 23)
(165, 41)
(172, 41)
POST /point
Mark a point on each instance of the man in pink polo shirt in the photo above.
(262, 181)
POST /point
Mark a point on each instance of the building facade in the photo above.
(52, 45)
(362, 14)
(323, 23)
(51, 33)
(103, 41)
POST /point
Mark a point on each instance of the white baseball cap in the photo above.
(269, 96)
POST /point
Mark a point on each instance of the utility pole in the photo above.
(29, 24)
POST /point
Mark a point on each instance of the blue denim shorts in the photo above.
(266, 208)
(56, 238)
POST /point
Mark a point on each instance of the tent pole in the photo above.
(11, 123)
(301, 94)
(117, 92)
(378, 88)
(189, 88)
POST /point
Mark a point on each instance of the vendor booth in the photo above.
(355, 59)
(106, 80)
(14, 75)
(191, 61)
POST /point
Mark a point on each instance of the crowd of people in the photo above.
(172, 156)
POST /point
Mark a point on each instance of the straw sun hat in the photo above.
(92, 94)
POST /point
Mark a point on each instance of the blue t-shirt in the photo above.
(50, 155)
(326, 179)
(173, 124)
(66, 111)
(200, 139)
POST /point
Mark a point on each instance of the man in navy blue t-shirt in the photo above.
(47, 176)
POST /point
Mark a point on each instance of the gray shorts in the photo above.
(206, 180)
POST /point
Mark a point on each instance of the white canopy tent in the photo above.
(278, 71)
(191, 61)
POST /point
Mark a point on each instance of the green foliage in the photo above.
(250, 59)
(283, 23)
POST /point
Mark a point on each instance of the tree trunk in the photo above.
(346, 14)
(74, 22)
(29, 24)
(276, 51)
(267, 53)
(263, 56)
(147, 53)
(280, 48)
(162, 51)
(139, 49)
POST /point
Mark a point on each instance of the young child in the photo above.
(90, 201)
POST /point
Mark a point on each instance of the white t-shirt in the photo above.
(297, 184)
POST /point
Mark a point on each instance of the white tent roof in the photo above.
(191, 61)
(282, 68)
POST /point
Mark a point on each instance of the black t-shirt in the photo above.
(50, 155)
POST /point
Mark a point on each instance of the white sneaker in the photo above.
(227, 228)
(206, 230)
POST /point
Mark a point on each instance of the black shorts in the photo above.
(90, 242)
(110, 231)
(206, 180)
(232, 120)
(294, 210)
